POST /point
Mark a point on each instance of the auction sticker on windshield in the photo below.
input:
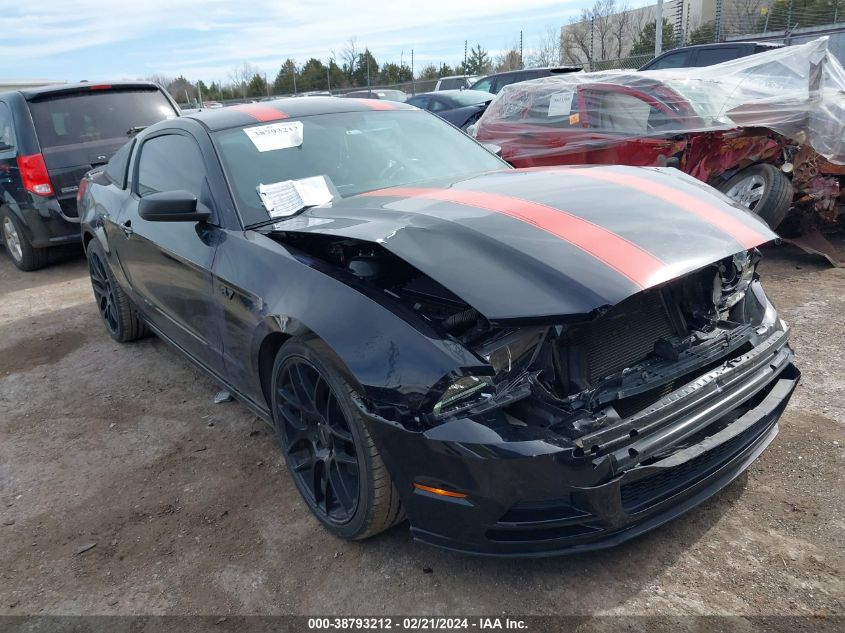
(275, 136)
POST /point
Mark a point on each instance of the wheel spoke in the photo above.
(345, 458)
(301, 465)
(304, 388)
(339, 486)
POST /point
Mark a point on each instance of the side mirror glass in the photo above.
(172, 206)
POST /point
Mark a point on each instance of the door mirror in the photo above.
(172, 206)
(5, 147)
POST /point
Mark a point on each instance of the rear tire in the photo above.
(762, 189)
(120, 317)
(22, 253)
(329, 452)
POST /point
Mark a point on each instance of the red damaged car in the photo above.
(764, 130)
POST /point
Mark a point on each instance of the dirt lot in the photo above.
(192, 512)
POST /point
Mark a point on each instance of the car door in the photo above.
(168, 264)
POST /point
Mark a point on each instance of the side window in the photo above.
(508, 80)
(168, 163)
(437, 106)
(420, 102)
(116, 167)
(484, 85)
(716, 55)
(622, 113)
(6, 135)
(672, 60)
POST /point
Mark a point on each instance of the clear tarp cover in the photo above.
(795, 91)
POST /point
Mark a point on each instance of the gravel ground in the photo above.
(184, 507)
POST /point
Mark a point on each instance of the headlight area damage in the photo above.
(575, 431)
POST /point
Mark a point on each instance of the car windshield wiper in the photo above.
(134, 130)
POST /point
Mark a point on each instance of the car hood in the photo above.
(545, 243)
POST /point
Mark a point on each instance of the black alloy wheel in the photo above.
(103, 293)
(318, 442)
(334, 462)
(120, 317)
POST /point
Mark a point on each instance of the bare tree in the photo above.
(161, 80)
(349, 55)
(509, 60)
(548, 51)
(619, 28)
(241, 75)
(590, 36)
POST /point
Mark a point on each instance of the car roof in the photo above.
(721, 45)
(83, 86)
(287, 108)
(450, 92)
(553, 70)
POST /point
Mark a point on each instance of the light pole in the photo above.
(658, 29)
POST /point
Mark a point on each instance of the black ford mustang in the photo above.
(521, 362)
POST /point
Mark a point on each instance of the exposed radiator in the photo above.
(623, 336)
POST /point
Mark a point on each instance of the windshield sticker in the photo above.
(574, 119)
(275, 136)
(283, 199)
(561, 104)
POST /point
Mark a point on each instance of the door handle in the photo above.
(127, 228)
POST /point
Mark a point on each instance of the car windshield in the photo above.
(355, 151)
(470, 97)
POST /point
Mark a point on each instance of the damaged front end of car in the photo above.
(581, 432)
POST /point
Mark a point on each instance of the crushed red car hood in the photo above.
(530, 244)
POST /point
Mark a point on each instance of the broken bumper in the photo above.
(540, 497)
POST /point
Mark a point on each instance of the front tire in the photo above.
(120, 317)
(762, 189)
(329, 452)
(22, 253)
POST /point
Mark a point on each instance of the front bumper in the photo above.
(541, 496)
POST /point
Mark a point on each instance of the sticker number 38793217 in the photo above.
(275, 135)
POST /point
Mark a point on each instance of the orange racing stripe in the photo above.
(725, 222)
(623, 256)
(260, 112)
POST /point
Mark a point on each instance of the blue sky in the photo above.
(204, 39)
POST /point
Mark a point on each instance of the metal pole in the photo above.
(658, 29)
(592, 42)
(521, 64)
(413, 75)
(293, 70)
(329, 76)
(465, 56)
(367, 56)
(717, 30)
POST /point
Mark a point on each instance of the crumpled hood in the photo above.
(526, 244)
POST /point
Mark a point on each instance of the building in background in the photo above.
(612, 32)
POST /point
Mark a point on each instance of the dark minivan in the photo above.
(707, 54)
(49, 138)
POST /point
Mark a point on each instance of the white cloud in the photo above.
(206, 37)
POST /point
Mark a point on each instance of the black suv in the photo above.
(707, 54)
(494, 83)
(49, 137)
